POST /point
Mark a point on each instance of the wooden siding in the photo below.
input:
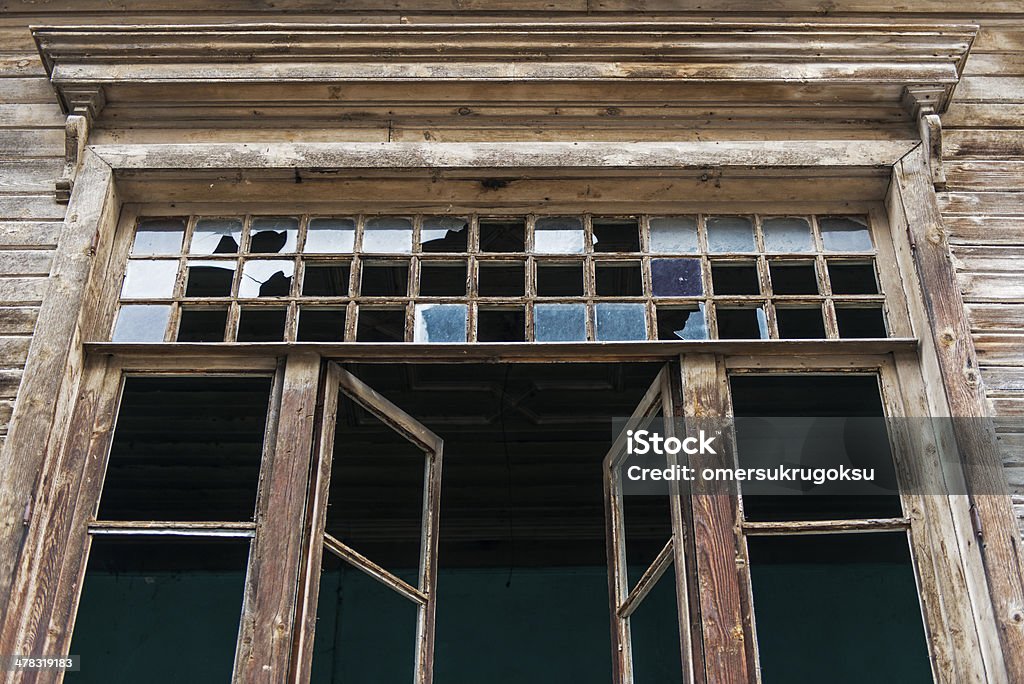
(983, 205)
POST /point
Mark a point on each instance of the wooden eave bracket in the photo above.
(84, 108)
(925, 102)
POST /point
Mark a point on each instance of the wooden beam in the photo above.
(976, 439)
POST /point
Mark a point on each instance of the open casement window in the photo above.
(339, 536)
(646, 547)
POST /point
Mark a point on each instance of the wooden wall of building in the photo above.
(984, 145)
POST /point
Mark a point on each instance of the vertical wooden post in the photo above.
(965, 394)
(725, 626)
(268, 622)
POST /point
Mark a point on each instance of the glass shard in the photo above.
(616, 235)
(618, 279)
(787, 234)
(266, 279)
(674, 235)
(444, 234)
(330, 236)
(747, 323)
(502, 235)
(380, 325)
(141, 323)
(621, 321)
(216, 236)
(202, 324)
(558, 235)
(273, 234)
(440, 323)
(845, 234)
(159, 236)
(682, 323)
(676, 278)
(501, 325)
(387, 235)
(210, 278)
(560, 322)
(149, 279)
(730, 234)
(260, 324)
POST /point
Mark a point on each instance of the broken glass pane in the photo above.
(852, 278)
(274, 234)
(440, 323)
(261, 324)
(141, 323)
(616, 235)
(380, 325)
(793, 277)
(159, 236)
(735, 278)
(321, 325)
(674, 235)
(860, 321)
(330, 236)
(747, 323)
(266, 279)
(845, 234)
(559, 235)
(443, 278)
(210, 278)
(730, 234)
(676, 278)
(501, 325)
(149, 279)
(787, 234)
(388, 234)
(501, 279)
(800, 323)
(621, 321)
(444, 234)
(682, 323)
(618, 279)
(216, 236)
(560, 322)
(202, 324)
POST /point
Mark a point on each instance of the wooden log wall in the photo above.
(983, 204)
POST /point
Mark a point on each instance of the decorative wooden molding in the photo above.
(844, 71)
(922, 101)
(86, 105)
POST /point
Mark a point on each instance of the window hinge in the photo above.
(976, 522)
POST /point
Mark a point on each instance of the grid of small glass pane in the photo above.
(568, 278)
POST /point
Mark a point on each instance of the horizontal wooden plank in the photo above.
(982, 203)
(999, 349)
(35, 207)
(984, 230)
(25, 262)
(1004, 380)
(18, 320)
(987, 144)
(999, 39)
(1000, 317)
(20, 64)
(1009, 407)
(994, 63)
(983, 114)
(985, 174)
(29, 233)
(13, 350)
(989, 258)
(9, 381)
(992, 287)
(34, 176)
(990, 89)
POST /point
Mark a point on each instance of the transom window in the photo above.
(478, 278)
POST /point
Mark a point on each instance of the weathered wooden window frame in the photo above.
(68, 440)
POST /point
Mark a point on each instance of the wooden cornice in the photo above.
(812, 69)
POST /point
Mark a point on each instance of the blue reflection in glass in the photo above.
(694, 328)
(621, 322)
(845, 234)
(730, 234)
(440, 323)
(676, 278)
(560, 322)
